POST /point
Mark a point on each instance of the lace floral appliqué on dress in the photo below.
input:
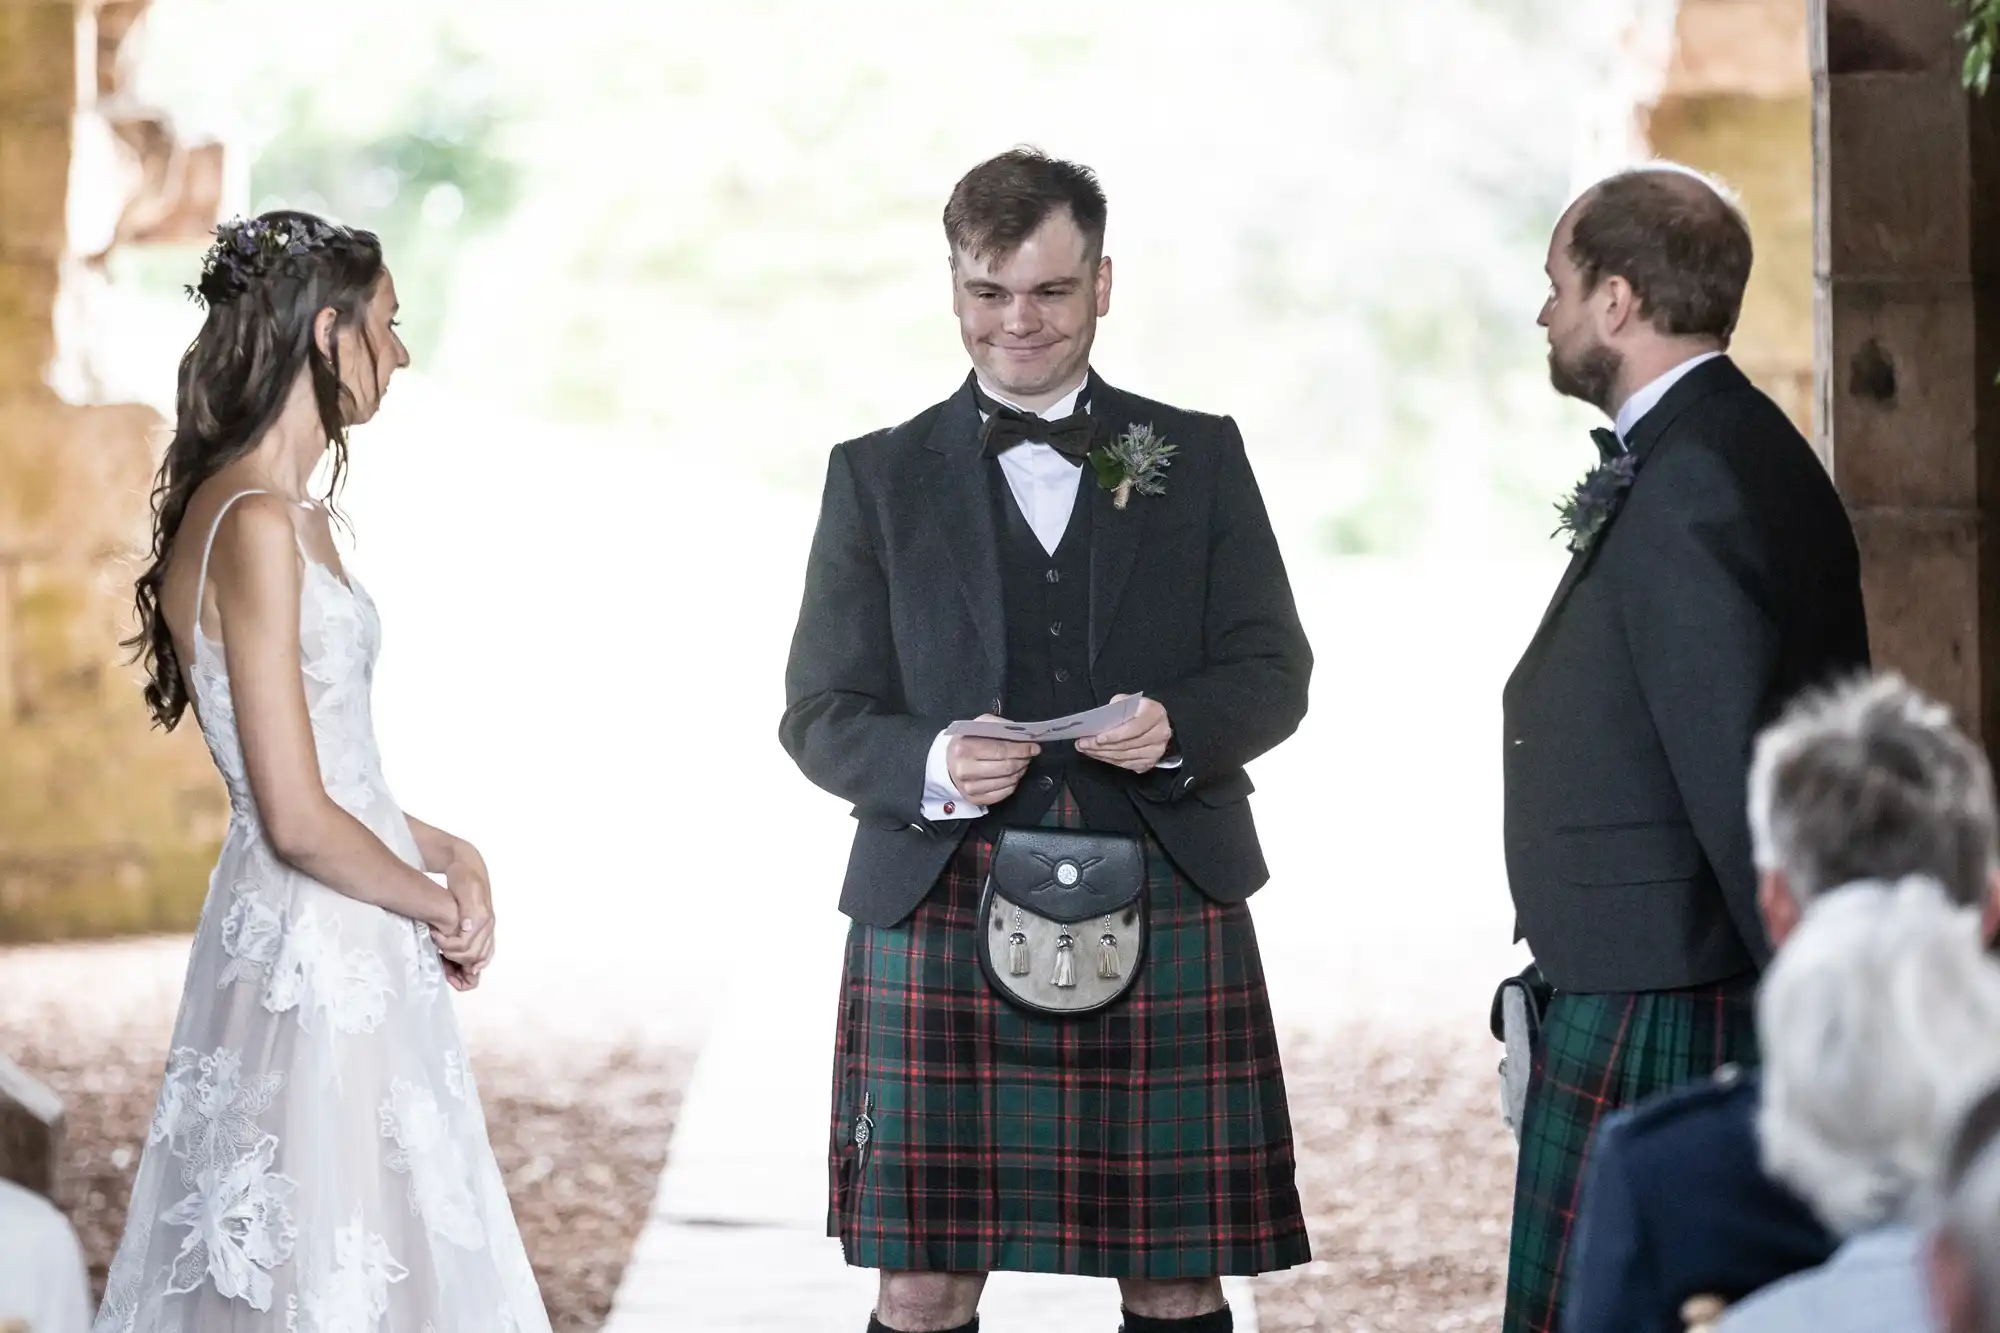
(314, 1164)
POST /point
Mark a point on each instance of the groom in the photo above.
(977, 560)
(1714, 576)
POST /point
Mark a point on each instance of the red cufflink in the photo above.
(950, 807)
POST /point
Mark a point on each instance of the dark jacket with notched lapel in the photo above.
(1726, 582)
(902, 630)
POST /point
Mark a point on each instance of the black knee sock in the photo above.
(970, 1326)
(1217, 1321)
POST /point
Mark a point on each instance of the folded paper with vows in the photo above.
(1090, 722)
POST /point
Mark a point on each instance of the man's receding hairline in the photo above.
(996, 254)
(1691, 187)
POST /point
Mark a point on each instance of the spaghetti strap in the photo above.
(208, 548)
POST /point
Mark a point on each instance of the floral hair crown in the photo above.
(245, 251)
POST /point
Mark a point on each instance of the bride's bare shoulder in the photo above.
(245, 537)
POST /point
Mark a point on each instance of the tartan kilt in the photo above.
(1148, 1140)
(1600, 1053)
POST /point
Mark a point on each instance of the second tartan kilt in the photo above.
(1600, 1053)
(1148, 1140)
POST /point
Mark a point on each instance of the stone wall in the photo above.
(1872, 179)
(1736, 101)
(105, 825)
(1908, 242)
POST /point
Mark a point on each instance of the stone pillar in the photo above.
(1907, 253)
(1736, 101)
(104, 825)
(38, 72)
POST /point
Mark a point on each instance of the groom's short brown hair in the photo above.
(1001, 202)
(1673, 235)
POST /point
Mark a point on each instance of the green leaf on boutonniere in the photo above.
(1135, 461)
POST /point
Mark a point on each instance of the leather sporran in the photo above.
(1063, 918)
(1519, 1007)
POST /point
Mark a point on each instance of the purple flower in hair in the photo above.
(246, 251)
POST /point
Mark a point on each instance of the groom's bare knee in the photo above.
(1179, 1299)
(928, 1302)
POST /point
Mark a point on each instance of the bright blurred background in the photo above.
(714, 226)
(655, 260)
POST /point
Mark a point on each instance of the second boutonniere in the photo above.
(1134, 461)
(1589, 508)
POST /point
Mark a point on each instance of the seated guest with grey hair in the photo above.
(1965, 1237)
(1866, 781)
(1879, 1023)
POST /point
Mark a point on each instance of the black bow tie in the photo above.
(1609, 446)
(1007, 426)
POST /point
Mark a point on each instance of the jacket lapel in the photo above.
(1114, 533)
(1711, 378)
(1572, 574)
(956, 483)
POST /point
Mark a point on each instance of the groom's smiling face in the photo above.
(1028, 318)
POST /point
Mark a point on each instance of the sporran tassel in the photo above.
(1109, 966)
(1065, 977)
(1017, 955)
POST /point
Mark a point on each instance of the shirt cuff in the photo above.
(941, 798)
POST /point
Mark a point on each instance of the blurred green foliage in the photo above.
(427, 183)
(1982, 41)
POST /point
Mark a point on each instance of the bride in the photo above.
(318, 1160)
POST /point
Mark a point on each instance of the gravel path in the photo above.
(1407, 1173)
(1404, 1166)
(580, 1127)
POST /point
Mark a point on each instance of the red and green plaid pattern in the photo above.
(1148, 1140)
(1600, 1053)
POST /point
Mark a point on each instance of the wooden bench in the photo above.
(31, 1131)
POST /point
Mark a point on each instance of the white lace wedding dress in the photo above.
(318, 1160)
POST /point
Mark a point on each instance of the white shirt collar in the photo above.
(1056, 411)
(1648, 398)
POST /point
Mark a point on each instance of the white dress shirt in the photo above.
(1043, 480)
(1044, 484)
(1648, 398)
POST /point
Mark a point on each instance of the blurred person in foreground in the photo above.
(1880, 1024)
(1869, 780)
(1963, 1256)
(1713, 576)
(318, 1158)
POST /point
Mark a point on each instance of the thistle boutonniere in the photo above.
(1134, 461)
(1589, 508)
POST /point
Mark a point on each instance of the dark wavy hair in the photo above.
(264, 283)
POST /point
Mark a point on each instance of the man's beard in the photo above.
(1590, 378)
